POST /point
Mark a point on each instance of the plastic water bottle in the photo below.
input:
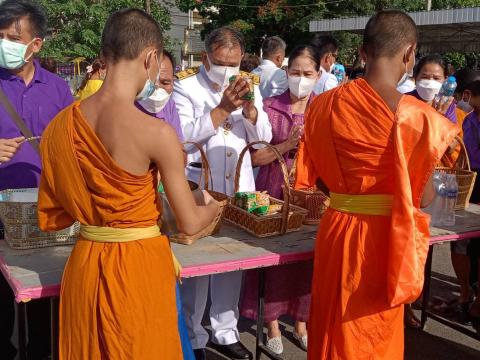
(339, 72)
(438, 204)
(447, 90)
(451, 200)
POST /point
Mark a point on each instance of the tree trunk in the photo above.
(148, 6)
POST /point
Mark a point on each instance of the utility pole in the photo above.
(148, 6)
(429, 5)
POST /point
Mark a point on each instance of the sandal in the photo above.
(275, 344)
(302, 341)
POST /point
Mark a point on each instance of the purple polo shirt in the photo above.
(450, 114)
(37, 104)
(471, 138)
(169, 114)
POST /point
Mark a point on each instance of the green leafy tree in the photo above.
(288, 19)
(76, 25)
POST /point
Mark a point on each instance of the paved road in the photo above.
(437, 342)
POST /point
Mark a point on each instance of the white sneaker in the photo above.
(302, 340)
(275, 345)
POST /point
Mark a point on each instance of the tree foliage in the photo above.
(76, 25)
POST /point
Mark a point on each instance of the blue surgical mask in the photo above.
(12, 54)
(149, 87)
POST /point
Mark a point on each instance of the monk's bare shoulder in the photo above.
(154, 134)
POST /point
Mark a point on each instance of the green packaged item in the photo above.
(251, 94)
(160, 188)
(246, 200)
(253, 202)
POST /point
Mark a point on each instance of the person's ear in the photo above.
(279, 59)
(363, 53)
(205, 61)
(410, 54)
(36, 45)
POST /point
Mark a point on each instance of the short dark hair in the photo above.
(308, 50)
(430, 59)
(474, 87)
(324, 44)
(387, 32)
(128, 32)
(464, 77)
(13, 10)
(249, 62)
(272, 45)
(225, 36)
(170, 57)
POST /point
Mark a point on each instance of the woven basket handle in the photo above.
(463, 151)
(283, 166)
(205, 172)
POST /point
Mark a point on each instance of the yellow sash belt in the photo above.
(116, 235)
(362, 204)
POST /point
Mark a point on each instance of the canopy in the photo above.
(439, 30)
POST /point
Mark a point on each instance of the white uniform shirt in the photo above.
(195, 99)
(273, 80)
(326, 82)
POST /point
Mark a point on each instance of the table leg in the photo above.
(21, 328)
(260, 309)
(54, 302)
(426, 286)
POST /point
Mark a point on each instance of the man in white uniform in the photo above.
(273, 79)
(213, 114)
(327, 51)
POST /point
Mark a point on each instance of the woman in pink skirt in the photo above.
(287, 287)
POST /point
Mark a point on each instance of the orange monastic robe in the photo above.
(117, 299)
(366, 266)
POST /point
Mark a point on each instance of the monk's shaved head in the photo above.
(389, 32)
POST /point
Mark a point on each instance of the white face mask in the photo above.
(408, 73)
(406, 87)
(156, 102)
(427, 89)
(301, 86)
(149, 87)
(221, 75)
(465, 106)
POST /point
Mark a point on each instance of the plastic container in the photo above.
(451, 200)
(437, 208)
(447, 90)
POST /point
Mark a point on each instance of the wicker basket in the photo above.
(20, 222)
(465, 177)
(288, 220)
(312, 199)
(214, 226)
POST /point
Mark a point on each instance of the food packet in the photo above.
(251, 94)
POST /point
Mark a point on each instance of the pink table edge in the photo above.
(27, 294)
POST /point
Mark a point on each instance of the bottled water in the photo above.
(451, 200)
(447, 90)
(438, 205)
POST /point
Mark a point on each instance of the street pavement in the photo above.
(436, 342)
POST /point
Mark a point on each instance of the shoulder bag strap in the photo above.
(19, 121)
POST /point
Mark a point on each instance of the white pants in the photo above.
(224, 296)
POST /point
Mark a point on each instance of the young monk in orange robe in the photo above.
(375, 151)
(100, 161)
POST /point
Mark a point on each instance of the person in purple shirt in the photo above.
(160, 104)
(37, 96)
(471, 138)
(429, 74)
